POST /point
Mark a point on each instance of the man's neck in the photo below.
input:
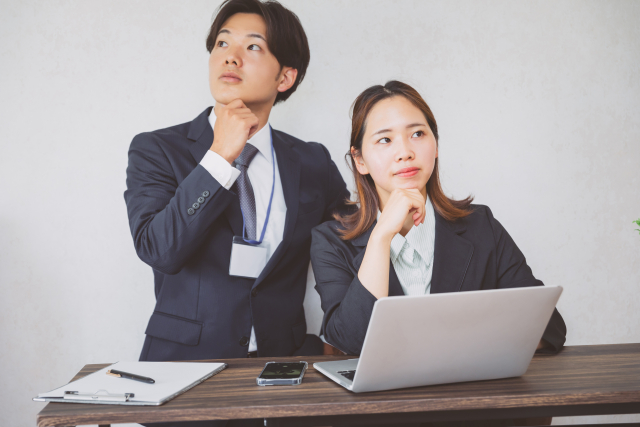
(262, 112)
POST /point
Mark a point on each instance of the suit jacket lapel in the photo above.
(201, 133)
(289, 168)
(451, 258)
(395, 289)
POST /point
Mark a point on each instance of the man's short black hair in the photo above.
(285, 36)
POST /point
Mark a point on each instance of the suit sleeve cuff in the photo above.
(220, 169)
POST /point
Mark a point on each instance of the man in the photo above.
(201, 196)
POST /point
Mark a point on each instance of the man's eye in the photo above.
(418, 134)
(384, 140)
(254, 47)
(222, 43)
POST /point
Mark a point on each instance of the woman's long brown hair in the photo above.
(366, 195)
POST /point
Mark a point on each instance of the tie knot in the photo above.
(248, 153)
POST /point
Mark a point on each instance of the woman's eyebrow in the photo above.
(412, 125)
(382, 131)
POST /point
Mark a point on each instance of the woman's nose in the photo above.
(404, 151)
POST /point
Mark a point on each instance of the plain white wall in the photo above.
(537, 105)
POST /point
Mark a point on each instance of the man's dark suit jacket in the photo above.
(201, 311)
(470, 254)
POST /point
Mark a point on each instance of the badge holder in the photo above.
(247, 260)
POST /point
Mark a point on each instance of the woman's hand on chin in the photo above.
(404, 208)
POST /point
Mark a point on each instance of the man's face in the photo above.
(241, 65)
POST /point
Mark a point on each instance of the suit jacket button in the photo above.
(191, 211)
(205, 193)
(254, 292)
(201, 200)
(196, 205)
(244, 341)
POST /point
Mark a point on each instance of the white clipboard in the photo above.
(171, 379)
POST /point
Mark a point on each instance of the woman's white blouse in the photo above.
(412, 255)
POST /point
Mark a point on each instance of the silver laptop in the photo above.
(446, 338)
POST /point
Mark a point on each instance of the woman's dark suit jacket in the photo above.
(470, 254)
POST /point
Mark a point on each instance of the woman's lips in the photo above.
(407, 172)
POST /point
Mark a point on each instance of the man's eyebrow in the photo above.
(412, 125)
(258, 36)
(254, 35)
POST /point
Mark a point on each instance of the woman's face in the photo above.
(398, 148)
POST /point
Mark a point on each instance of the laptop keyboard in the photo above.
(348, 374)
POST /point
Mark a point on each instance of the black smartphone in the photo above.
(287, 373)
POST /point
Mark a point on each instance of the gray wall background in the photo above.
(537, 104)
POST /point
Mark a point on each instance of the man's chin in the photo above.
(225, 99)
(225, 95)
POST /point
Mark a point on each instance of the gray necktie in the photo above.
(245, 190)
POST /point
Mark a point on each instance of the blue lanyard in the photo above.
(273, 186)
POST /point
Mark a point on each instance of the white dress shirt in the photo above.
(412, 255)
(260, 173)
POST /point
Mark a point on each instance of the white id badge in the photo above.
(246, 260)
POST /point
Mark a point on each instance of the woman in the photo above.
(435, 244)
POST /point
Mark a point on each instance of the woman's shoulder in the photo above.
(329, 230)
(479, 212)
(327, 243)
(480, 216)
(480, 220)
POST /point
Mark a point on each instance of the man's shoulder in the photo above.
(167, 136)
(304, 148)
(173, 136)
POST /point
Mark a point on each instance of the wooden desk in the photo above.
(581, 380)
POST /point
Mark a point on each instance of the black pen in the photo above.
(120, 374)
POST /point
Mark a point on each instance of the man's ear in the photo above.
(359, 161)
(286, 78)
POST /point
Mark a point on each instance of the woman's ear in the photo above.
(359, 161)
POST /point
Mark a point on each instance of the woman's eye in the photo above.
(384, 140)
(222, 43)
(254, 47)
(418, 134)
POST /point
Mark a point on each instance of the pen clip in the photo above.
(100, 395)
(113, 374)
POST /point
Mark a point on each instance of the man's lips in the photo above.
(230, 77)
(407, 172)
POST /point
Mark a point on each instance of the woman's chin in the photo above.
(411, 185)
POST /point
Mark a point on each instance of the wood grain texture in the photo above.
(581, 380)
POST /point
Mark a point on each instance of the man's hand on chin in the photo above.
(235, 124)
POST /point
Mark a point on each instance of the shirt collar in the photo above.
(261, 139)
(416, 238)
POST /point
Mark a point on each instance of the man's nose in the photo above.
(234, 58)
